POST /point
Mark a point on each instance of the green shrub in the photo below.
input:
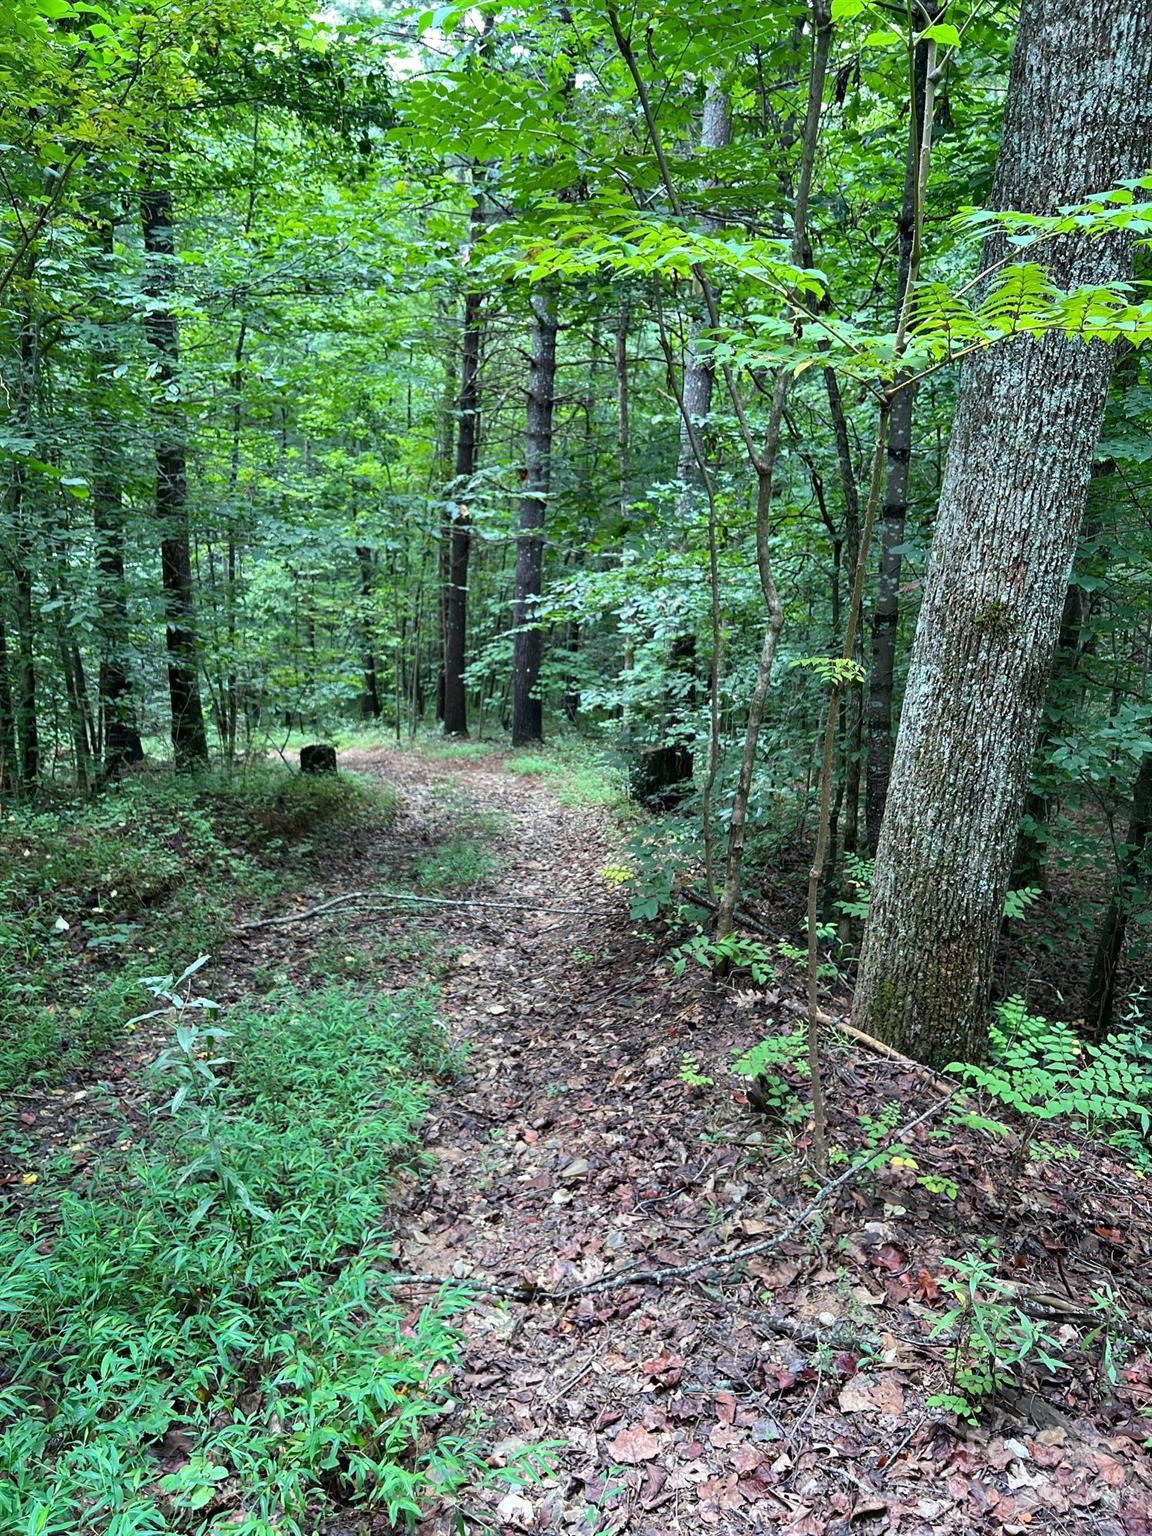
(1044, 1071)
(205, 1341)
(152, 868)
(994, 1342)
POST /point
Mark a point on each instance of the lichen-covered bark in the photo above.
(1027, 419)
(699, 373)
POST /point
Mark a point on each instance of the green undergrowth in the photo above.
(580, 774)
(203, 1339)
(361, 951)
(464, 849)
(137, 879)
(443, 749)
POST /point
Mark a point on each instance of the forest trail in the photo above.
(787, 1389)
(793, 1395)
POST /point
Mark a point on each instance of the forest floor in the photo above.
(783, 1388)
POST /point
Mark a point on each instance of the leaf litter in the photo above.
(789, 1395)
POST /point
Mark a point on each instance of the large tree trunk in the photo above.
(1019, 459)
(119, 736)
(189, 737)
(370, 706)
(460, 536)
(21, 561)
(1131, 879)
(527, 709)
(886, 613)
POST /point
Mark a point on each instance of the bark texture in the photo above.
(120, 735)
(527, 710)
(1131, 881)
(460, 533)
(20, 558)
(1027, 419)
(886, 613)
(189, 736)
(699, 372)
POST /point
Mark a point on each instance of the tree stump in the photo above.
(320, 757)
(662, 777)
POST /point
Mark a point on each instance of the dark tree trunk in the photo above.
(75, 692)
(446, 437)
(886, 613)
(570, 701)
(1030, 865)
(1131, 880)
(8, 775)
(119, 736)
(189, 736)
(527, 709)
(370, 706)
(460, 528)
(27, 721)
(1019, 459)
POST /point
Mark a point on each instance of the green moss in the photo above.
(996, 619)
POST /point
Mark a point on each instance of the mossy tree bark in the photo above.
(1019, 459)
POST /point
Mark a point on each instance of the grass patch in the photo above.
(455, 866)
(446, 751)
(136, 880)
(360, 952)
(464, 850)
(580, 775)
(204, 1340)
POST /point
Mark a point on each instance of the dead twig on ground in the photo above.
(666, 1274)
(403, 898)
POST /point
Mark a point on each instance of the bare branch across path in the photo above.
(404, 898)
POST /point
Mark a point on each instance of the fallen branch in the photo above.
(529, 1291)
(746, 920)
(740, 917)
(403, 898)
(944, 1084)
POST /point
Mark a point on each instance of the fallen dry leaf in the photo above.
(877, 1394)
(634, 1445)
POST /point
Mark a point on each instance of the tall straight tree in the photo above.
(460, 523)
(21, 544)
(189, 736)
(886, 612)
(527, 709)
(1019, 458)
(119, 735)
(699, 370)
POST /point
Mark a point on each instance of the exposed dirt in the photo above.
(788, 1389)
(792, 1394)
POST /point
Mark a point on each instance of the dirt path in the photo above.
(795, 1395)
(571, 1148)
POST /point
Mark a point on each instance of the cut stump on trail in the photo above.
(319, 757)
